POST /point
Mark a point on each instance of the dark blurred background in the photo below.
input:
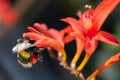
(50, 12)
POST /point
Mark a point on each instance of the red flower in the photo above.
(7, 14)
(87, 28)
(45, 37)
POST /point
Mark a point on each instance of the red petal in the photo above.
(113, 60)
(68, 39)
(102, 11)
(66, 30)
(32, 30)
(107, 37)
(74, 24)
(56, 35)
(42, 43)
(49, 43)
(77, 34)
(41, 27)
(31, 35)
(66, 34)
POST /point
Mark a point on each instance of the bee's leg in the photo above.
(40, 58)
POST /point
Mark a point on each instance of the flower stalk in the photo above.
(80, 47)
(96, 72)
(112, 60)
(83, 63)
(62, 58)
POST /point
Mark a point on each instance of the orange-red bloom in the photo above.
(45, 38)
(88, 26)
(7, 14)
(87, 31)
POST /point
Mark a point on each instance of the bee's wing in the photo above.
(21, 46)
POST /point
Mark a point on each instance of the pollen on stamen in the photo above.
(88, 6)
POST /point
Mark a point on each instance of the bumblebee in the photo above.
(27, 53)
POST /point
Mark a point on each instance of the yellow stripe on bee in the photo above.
(25, 54)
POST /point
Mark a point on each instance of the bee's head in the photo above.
(27, 53)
